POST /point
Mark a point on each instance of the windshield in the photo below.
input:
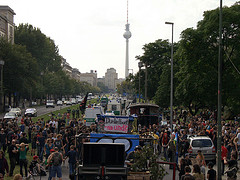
(201, 143)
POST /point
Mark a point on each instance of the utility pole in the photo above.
(219, 125)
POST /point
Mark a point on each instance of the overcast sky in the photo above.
(89, 33)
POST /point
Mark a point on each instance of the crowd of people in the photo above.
(174, 145)
(49, 142)
(41, 145)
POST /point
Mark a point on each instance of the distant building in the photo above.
(111, 78)
(66, 67)
(91, 77)
(76, 74)
(7, 23)
(102, 80)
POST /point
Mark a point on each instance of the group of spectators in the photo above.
(50, 141)
(174, 145)
(30, 144)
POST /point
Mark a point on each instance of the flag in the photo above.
(83, 104)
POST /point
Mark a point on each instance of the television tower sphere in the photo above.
(127, 34)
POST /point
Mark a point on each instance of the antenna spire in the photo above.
(127, 11)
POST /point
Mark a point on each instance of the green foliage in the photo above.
(146, 160)
(156, 55)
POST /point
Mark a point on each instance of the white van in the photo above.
(91, 114)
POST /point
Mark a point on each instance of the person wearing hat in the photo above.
(34, 163)
(49, 166)
(56, 158)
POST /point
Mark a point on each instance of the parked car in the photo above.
(59, 103)
(73, 101)
(203, 143)
(50, 103)
(31, 112)
(10, 115)
(17, 111)
(68, 103)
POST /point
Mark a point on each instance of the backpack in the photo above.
(57, 159)
(232, 172)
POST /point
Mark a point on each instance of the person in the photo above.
(188, 160)
(211, 174)
(12, 151)
(3, 164)
(23, 148)
(36, 168)
(232, 167)
(59, 143)
(49, 166)
(197, 172)
(47, 147)
(172, 150)
(3, 140)
(72, 155)
(187, 174)
(18, 177)
(201, 161)
(223, 156)
(56, 159)
(183, 164)
(40, 145)
(131, 157)
(165, 141)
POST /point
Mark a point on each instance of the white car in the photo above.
(31, 112)
(203, 143)
(50, 103)
(10, 115)
(17, 111)
(68, 103)
(59, 103)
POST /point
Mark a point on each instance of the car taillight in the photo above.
(213, 149)
(190, 150)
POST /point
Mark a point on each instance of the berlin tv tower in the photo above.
(127, 35)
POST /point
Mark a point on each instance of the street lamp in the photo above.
(171, 93)
(1, 98)
(140, 64)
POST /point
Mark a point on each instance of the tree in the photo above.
(198, 55)
(19, 69)
(156, 56)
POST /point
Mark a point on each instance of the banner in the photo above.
(116, 124)
(130, 141)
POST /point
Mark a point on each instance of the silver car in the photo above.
(203, 143)
(17, 111)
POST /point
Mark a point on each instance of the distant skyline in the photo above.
(89, 34)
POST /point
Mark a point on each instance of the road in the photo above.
(41, 110)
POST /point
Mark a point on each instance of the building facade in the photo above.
(111, 78)
(90, 78)
(7, 23)
(66, 67)
(76, 74)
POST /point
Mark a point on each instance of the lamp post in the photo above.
(171, 92)
(219, 125)
(1, 98)
(42, 73)
(140, 64)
